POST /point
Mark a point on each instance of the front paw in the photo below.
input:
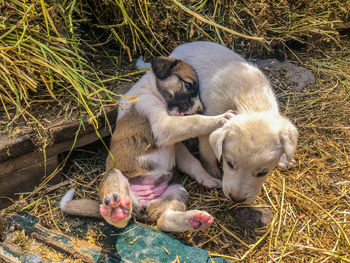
(284, 164)
(212, 170)
(209, 182)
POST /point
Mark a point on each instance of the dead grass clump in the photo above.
(41, 61)
(259, 26)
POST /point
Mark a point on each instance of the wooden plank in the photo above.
(111, 116)
(67, 131)
(12, 147)
(25, 179)
(24, 172)
(73, 246)
(38, 157)
(11, 253)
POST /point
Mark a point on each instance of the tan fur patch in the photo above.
(85, 207)
(132, 138)
(185, 71)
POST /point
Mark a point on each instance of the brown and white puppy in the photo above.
(144, 151)
(258, 138)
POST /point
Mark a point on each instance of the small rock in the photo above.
(252, 217)
(301, 76)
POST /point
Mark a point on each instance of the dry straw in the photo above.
(41, 61)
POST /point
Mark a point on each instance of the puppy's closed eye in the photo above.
(230, 164)
(262, 173)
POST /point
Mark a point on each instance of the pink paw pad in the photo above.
(201, 221)
(115, 207)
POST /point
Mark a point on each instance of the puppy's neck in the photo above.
(152, 86)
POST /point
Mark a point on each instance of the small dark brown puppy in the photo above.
(145, 149)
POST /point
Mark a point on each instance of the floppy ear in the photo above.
(289, 138)
(162, 66)
(216, 140)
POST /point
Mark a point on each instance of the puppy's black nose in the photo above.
(199, 110)
(236, 200)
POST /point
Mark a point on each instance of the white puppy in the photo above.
(257, 138)
(254, 142)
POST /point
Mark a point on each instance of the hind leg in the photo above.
(116, 204)
(169, 211)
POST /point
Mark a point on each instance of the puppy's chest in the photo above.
(162, 159)
(134, 147)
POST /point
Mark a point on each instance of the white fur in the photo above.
(258, 138)
(140, 64)
(162, 160)
(66, 198)
(226, 80)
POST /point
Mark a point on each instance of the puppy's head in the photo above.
(251, 146)
(178, 84)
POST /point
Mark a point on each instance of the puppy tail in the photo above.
(82, 207)
(66, 198)
(140, 64)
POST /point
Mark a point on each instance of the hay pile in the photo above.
(42, 64)
(72, 53)
(254, 26)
